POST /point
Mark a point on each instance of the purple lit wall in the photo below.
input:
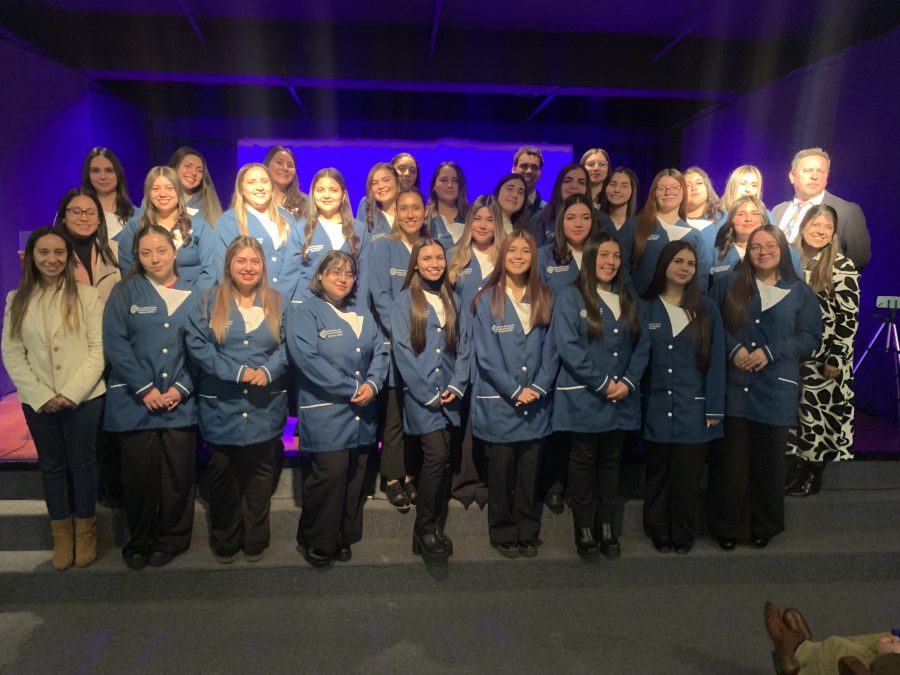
(835, 105)
(482, 163)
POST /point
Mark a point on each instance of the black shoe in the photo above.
(727, 544)
(527, 549)
(397, 496)
(508, 549)
(585, 544)
(683, 549)
(411, 493)
(555, 502)
(343, 553)
(759, 542)
(137, 561)
(662, 545)
(314, 556)
(161, 558)
(609, 545)
(429, 547)
(439, 533)
(809, 484)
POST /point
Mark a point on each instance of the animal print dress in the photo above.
(826, 406)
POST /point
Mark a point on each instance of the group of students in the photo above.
(548, 334)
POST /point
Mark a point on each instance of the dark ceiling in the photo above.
(651, 63)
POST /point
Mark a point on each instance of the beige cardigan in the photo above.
(72, 364)
(105, 276)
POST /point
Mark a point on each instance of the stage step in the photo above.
(849, 524)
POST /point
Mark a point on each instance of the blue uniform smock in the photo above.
(380, 225)
(332, 363)
(642, 275)
(227, 231)
(145, 348)
(387, 274)
(733, 258)
(556, 276)
(587, 368)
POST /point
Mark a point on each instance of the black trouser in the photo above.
(746, 480)
(594, 476)
(553, 473)
(158, 472)
(395, 461)
(240, 491)
(512, 486)
(333, 499)
(674, 473)
(434, 482)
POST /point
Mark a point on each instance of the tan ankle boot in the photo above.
(85, 541)
(63, 543)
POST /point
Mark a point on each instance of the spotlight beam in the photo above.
(194, 25)
(438, 6)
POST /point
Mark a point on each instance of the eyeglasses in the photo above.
(759, 248)
(674, 189)
(338, 274)
(599, 162)
(75, 211)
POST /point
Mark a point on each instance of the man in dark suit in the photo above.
(809, 176)
(528, 162)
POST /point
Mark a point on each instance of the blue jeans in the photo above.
(66, 443)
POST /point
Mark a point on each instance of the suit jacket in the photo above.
(851, 227)
(66, 363)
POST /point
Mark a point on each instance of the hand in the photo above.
(255, 377)
(172, 397)
(831, 372)
(741, 359)
(757, 360)
(712, 423)
(153, 400)
(526, 396)
(617, 390)
(364, 395)
(55, 404)
(447, 397)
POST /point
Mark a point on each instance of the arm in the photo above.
(566, 329)
(362, 265)
(118, 347)
(381, 361)
(202, 345)
(640, 351)
(714, 386)
(462, 368)
(704, 260)
(290, 265)
(125, 238)
(206, 248)
(845, 305)
(302, 344)
(807, 334)
(226, 232)
(489, 351)
(15, 360)
(380, 283)
(91, 369)
(416, 380)
(855, 238)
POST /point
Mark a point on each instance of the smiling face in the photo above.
(577, 224)
(246, 270)
(337, 282)
(190, 173)
(431, 262)
(410, 214)
(696, 191)
(746, 219)
(668, 194)
(157, 258)
(328, 196)
(682, 268)
(518, 257)
(446, 186)
(597, 167)
(103, 176)
(765, 255)
(810, 177)
(619, 189)
(282, 169)
(818, 232)
(609, 260)
(163, 196)
(573, 183)
(256, 189)
(50, 257)
(406, 167)
(511, 197)
(483, 228)
(82, 218)
(529, 167)
(384, 186)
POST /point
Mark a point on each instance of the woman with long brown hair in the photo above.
(432, 353)
(660, 221)
(102, 172)
(513, 377)
(282, 166)
(235, 339)
(772, 323)
(448, 205)
(378, 209)
(53, 352)
(200, 194)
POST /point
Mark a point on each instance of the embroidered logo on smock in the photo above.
(330, 333)
(315, 248)
(583, 314)
(135, 309)
(654, 326)
(653, 237)
(396, 272)
(506, 328)
(555, 269)
(261, 240)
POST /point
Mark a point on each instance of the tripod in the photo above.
(891, 346)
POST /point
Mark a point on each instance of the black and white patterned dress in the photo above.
(826, 406)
